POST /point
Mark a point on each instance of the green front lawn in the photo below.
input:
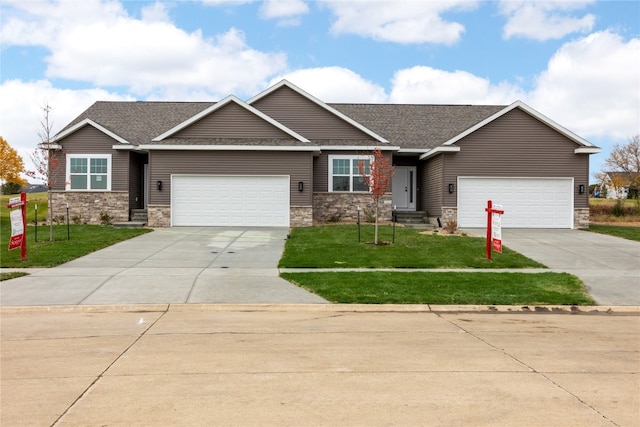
(444, 288)
(84, 239)
(630, 233)
(336, 246)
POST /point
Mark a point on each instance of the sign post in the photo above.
(18, 224)
(493, 240)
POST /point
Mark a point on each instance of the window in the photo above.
(344, 172)
(89, 172)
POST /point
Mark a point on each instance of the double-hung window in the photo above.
(89, 172)
(345, 175)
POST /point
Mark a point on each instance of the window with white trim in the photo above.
(344, 172)
(89, 172)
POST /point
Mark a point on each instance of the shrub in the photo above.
(451, 226)
(105, 218)
(77, 219)
(618, 208)
(334, 218)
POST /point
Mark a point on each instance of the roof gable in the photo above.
(230, 118)
(537, 115)
(308, 115)
(88, 122)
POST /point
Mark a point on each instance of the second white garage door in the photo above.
(212, 200)
(527, 202)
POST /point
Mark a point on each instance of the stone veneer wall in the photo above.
(343, 206)
(301, 216)
(88, 205)
(449, 214)
(581, 218)
(158, 216)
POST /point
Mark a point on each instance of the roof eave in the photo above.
(180, 147)
(587, 150)
(438, 150)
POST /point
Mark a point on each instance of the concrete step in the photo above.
(129, 224)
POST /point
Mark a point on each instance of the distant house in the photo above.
(621, 185)
(285, 158)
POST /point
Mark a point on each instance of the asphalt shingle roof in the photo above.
(409, 126)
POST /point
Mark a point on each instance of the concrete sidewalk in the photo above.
(320, 365)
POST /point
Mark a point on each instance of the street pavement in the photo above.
(318, 365)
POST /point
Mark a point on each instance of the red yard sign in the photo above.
(18, 224)
(490, 236)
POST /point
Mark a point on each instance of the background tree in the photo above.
(625, 158)
(46, 160)
(11, 166)
(377, 177)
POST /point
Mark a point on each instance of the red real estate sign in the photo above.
(18, 219)
(496, 229)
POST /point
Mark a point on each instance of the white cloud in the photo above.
(286, 11)
(426, 85)
(544, 20)
(100, 44)
(591, 86)
(399, 21)
(335, 84)
(21, 110)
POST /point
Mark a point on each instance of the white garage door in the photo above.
(261, 201)
(527, 202)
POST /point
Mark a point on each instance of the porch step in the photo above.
(414, 219)
(139, 215)
(411, 217)
(129, 224)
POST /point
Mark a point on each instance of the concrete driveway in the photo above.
(169, 265)
(609, 266)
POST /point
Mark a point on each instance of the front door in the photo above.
(403, 187)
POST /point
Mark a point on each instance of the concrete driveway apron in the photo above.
(169, 265)
(608, 266)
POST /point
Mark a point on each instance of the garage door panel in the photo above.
(230, 201)
(527, 202)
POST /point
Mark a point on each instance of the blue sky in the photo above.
(578, 62)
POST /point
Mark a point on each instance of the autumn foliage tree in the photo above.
(377, 177)
(11, 165)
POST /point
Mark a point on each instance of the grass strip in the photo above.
(12, 275)
(629, 233)
(444, 288)
(337, 246)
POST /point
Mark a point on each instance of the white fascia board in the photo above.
(358, 147)
(320, 104)
(90, 122)
(587, 150)
(124, 147)
(162, 147)
(519, 104)
(438, 150)
(414, 150)
(217, 106)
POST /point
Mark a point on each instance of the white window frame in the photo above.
(88, 157)
(350, 157)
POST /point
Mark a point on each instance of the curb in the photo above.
(330, 308)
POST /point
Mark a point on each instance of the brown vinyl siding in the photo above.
(306, 117)
(515, 145)
(297, 165)
(89, 140)
(430, 195)
(231, 121)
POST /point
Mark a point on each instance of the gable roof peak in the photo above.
(217, 106)
(322, 104)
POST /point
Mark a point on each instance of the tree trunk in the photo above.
(375, 238)
(50, 215)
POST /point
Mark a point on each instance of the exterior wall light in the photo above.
(450, 188)
(581, 189)
(159, 185)
(300, 186)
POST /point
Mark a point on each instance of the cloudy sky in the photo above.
(578, 61)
